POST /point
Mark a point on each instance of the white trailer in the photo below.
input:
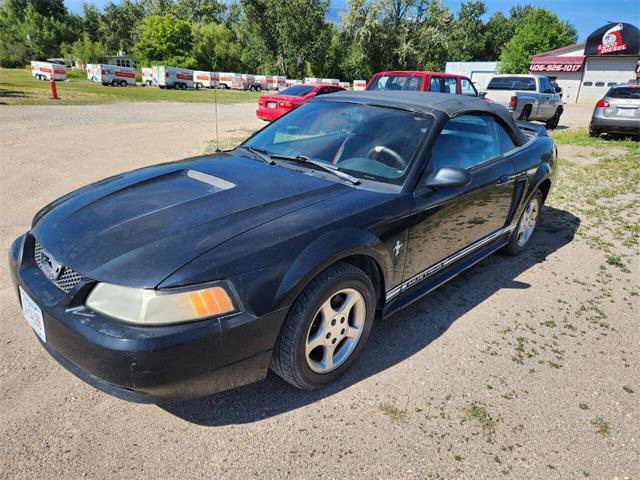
(43, 71)
(359, 84)
(113, 75)
(172, 77)
(346, 85)
(230, 80)
(202, 79)
(290, 82)
(312, 81)
(261, 80)
(147, 75)
(281, 82)
(334, 82)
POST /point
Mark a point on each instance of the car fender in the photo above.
(324, 251)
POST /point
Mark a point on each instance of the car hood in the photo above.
(137, 228)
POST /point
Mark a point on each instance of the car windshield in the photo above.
(368, 142)
(396, 82)
(625, 92)
(297, 90)
(512, 83)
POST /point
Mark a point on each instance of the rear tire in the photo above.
(521, 236)
(326, 328)
(525, 114)
(594, 132)
(555, 120)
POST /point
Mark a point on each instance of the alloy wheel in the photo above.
(335, 330)
(528, 222)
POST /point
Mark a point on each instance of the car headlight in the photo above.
(159, 307)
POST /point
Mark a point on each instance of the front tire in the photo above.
(327, 327)
(521, 236)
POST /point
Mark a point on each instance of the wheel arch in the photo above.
(357, 247)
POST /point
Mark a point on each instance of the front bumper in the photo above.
(145, 364)
(614, 124)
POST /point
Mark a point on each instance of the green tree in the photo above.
(166, 40)
(216, 48)
(432, 37)
(468, 33)
(540, 30)
(119, 25)
(203, 11)
(84, 51)
(286, 35)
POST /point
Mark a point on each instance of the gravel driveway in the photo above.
(506, 372)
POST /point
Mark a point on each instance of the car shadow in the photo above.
(391, 341)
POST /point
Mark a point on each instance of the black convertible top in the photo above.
(429, 103)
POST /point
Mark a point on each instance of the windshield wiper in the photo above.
(258, 153)
(323, 166)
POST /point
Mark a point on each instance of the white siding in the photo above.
(601, 72)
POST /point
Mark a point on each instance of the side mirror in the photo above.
(482, 94)
(448, 177)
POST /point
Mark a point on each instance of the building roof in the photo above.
(561, 50)
(436, 104)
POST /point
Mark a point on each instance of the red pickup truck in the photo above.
(422, 81)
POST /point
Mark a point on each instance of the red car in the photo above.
(422, 81)
(271, 107)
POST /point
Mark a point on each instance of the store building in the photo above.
(585, 71)
(478, 72)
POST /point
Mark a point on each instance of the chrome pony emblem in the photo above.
(50, 266)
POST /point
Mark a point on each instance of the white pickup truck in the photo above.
(528, 97)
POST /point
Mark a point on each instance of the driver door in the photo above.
(446, 220)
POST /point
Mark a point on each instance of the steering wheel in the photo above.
(400, 162)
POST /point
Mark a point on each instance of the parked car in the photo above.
(271, 107)
(184, 278)
(528, 97)
(617, 112)
(423, 81)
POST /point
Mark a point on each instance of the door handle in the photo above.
(504, 179)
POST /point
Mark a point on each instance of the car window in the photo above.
(369, 142)
(435, 84)
(468, 88)
(512, 83)
(297, 90)
(506, 142)
(546, 86)
(465, 142)
(632, 92)
(396, 82)
(450, 85)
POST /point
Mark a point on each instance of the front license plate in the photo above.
(626, 112)
(32, 314)
(271, 104)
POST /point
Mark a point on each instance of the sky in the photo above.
(585, 15)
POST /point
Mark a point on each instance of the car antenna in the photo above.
(215, 101)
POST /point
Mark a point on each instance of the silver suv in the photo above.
(618, 111)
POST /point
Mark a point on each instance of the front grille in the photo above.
(68, 278)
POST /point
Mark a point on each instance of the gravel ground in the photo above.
(508, 371)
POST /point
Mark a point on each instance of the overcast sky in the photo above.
(585, 15)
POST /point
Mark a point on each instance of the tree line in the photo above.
(283, 37)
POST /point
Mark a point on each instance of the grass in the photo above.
(603, 191)
(17, 87)
(480, 415)
(602, 427)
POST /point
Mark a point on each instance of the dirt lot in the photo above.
(524, 368)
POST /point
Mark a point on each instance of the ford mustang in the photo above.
(186, 278)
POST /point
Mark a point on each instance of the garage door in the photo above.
(602, 73)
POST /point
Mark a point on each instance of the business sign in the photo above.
(614, 39)
(554, 67)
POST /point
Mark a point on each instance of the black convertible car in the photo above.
(186, 278)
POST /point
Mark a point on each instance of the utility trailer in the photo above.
(359, 84)
(44, 70)
(172, 77)
(203, 79)
(147, 75)
(230, 80)
(113, 75)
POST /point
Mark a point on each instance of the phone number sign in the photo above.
(554, 67)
